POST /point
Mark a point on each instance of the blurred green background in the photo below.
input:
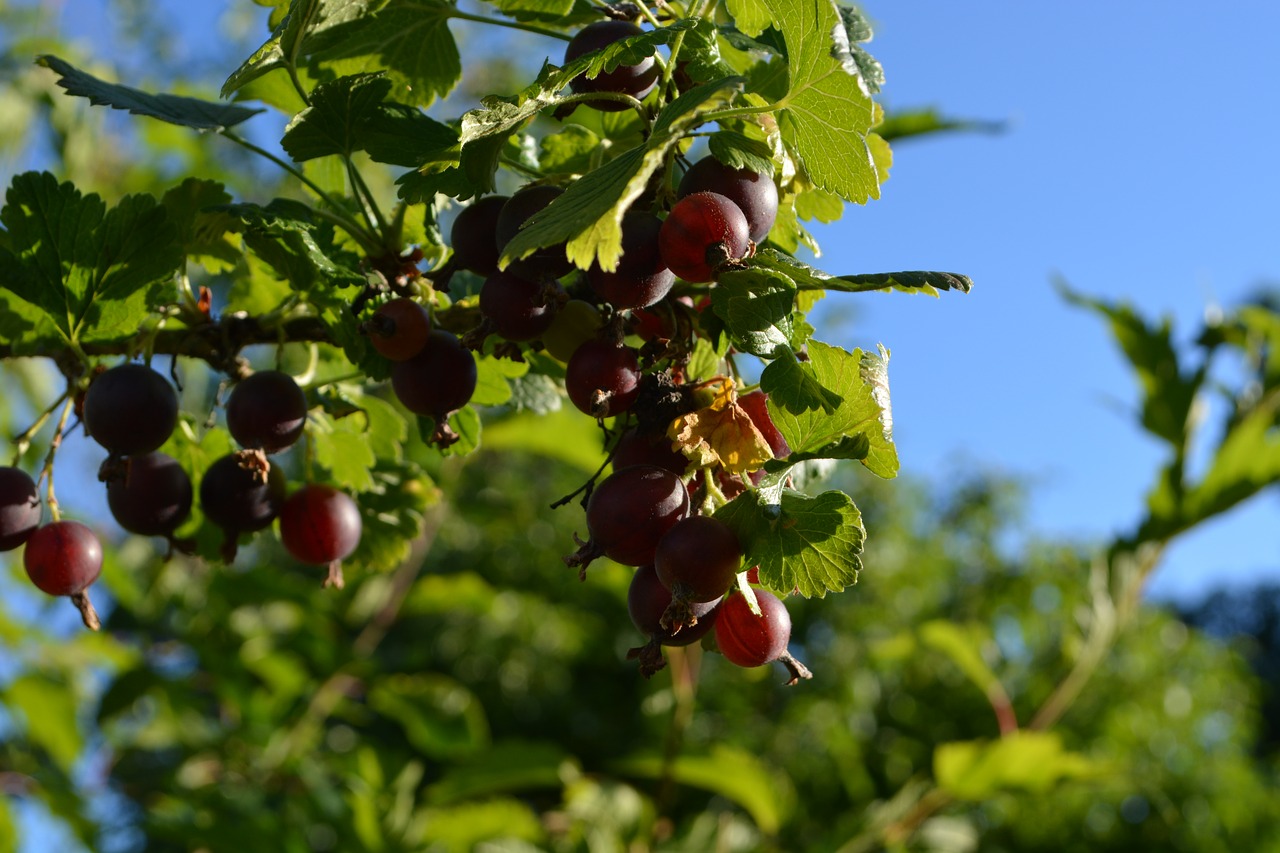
(478, 697)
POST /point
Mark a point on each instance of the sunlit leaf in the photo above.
(175, 109)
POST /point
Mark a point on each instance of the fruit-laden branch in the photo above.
(216, 342)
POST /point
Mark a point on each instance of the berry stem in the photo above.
(585, 488)
(87, 612)
(715, 497)
(669, 68)
(46, 471)
(22, 442)
(368, 204)
(516, 166)
(795, 668)
(511, 25)
(367, 239)
(608, 96)
(335, 578)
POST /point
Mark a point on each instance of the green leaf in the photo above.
(504, 767)
(524, 9)
(857, 29)
(466, 423)
(385, 429)
(753, 17)
(588, 216)
(484, 134)
(353, 114)
(1168, 393)
(928, 282)
(756, 306)
(97, 273)
(340, 446)
(811, 278)
(900, 125)
(202, 235)
(740, 151)
(962, 645)
(704, 362)
(256, 289)
(700, 56)
(392, 513)
(828, 108)
(409, 39)
(187, 112)
(1022, 760)
(537, 393)
(1247, 461)
(820, 205)
(810, 544)
(440, 717)
(49, 709)
(285, 40)
(283, 235)
(24, 328)
(733, 773)
(492, 387)
(860, 380)
(570, 151)
(467, 826)
(882, 458)
(792, 385)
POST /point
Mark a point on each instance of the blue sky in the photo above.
(1138, 163)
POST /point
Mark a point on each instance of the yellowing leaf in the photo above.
(721, 433)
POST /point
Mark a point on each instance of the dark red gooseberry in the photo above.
(755, 195)
(19, 508)
(548, 262)
(472, 233)
(437, 381)
(152, 496)
(641, 278)
(648, 599)
(518, 309)
(320, 524)
(398, 329)
(130, 409)
(703, 232)
(747, 639)
(63, 558)
(636, 80)
(603, 379)
(698, 558)
(266, 411)
(631, 510)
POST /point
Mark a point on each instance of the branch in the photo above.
(215, 342)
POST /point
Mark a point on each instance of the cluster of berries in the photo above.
(131, 410)
(654, 512)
